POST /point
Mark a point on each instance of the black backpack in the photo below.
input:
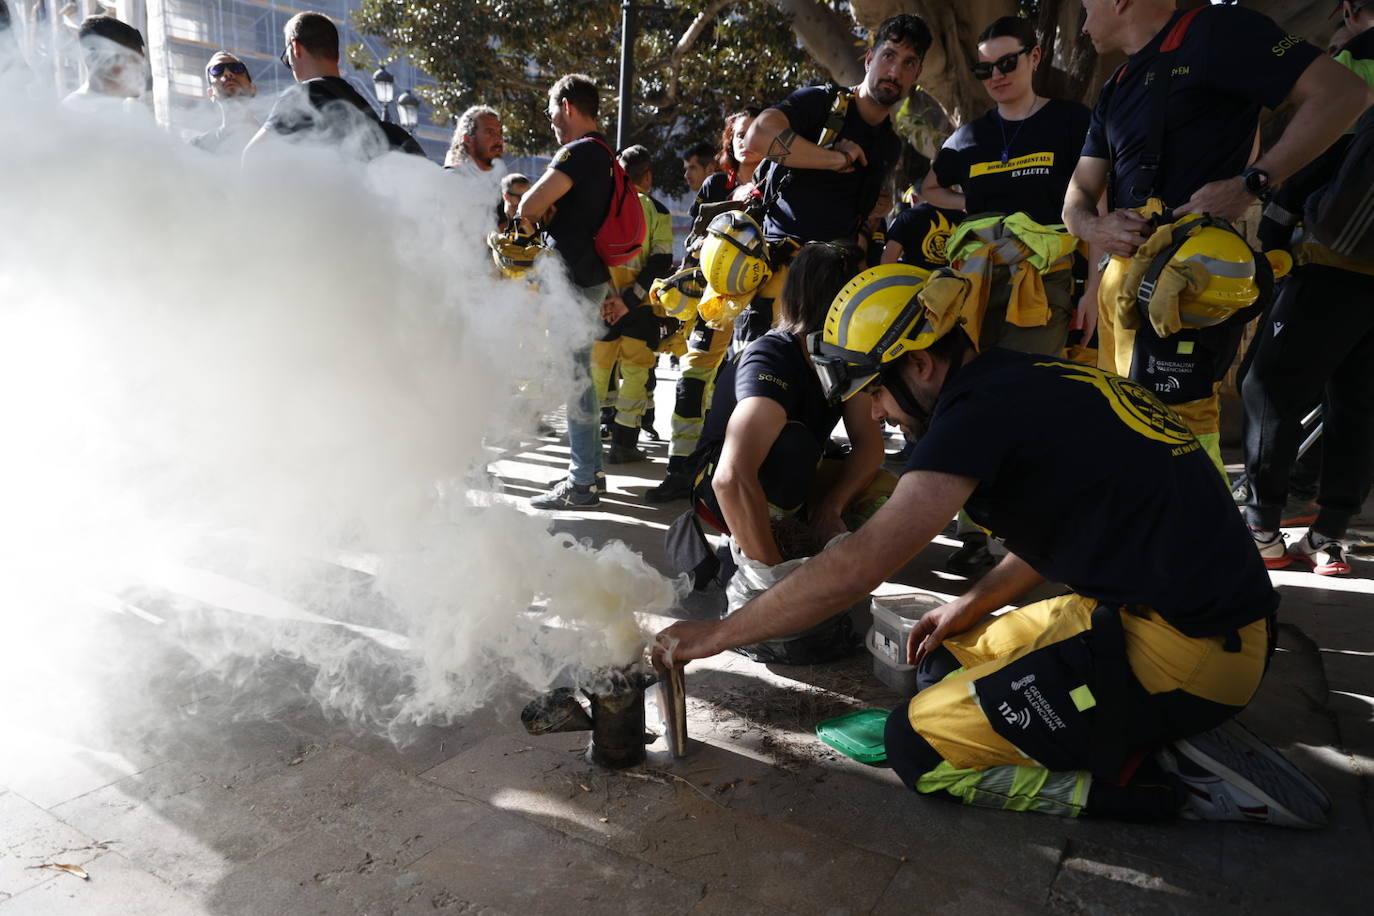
(1341, 214)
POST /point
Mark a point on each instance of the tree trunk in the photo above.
(827, 37)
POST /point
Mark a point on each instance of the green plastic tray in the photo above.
(858, 735)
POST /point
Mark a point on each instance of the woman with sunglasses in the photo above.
(1019, 156)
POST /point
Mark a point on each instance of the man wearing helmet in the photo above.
(1053, 706)
(1177, 123)
(823, 191)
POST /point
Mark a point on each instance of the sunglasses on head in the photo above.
(232, 66)
(1005, 64)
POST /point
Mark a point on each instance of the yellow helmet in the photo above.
(514, 253)
(734, 257)
(679, 294)
(876, 317)
(1221, 267)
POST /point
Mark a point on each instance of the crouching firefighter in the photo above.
(1113, 699)
(764, 481)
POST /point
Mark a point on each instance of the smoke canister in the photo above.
(617, 701)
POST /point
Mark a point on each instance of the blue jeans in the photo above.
(584, 413)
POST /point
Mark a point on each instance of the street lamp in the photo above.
(408, 109)
(384, 85)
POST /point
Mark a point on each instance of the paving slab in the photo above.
(117, 887)
(673, 822)
(524, 867)
(31, 837)
(180, 826)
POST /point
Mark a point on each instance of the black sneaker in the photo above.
(1231, 775)
(677, 485)
(568, 495)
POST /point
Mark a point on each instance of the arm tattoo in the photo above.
(781, 147)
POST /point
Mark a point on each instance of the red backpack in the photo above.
(621, 235)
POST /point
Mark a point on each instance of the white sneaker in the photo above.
(1231, 775)
(1326, 555)
(1273, 550)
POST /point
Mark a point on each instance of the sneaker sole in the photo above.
(1233, 753)
(1277, 562)
(1326, 569)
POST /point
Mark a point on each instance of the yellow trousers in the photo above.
(636, 362)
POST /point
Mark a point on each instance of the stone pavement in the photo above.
(219, 811)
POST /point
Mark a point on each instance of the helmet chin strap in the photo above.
(906, 400)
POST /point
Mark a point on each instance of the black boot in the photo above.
(623, 450)
(646, 423)
(677, 485)
(973, 558)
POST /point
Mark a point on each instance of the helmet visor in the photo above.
(840, 377)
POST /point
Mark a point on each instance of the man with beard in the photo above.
(478, 145)
(230, 86)
(830, 152)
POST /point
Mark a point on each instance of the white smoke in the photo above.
(245, 410)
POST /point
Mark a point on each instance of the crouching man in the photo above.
(1114, 699)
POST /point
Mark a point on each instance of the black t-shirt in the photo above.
(714, 189)
(816, 205)
(582, 210)
(331, 109)
(1016, 166)
(1097, 485)
(923, 231)
(1232, 62)
(774, 366)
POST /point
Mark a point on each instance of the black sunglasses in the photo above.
(282, 56)
(233, 66)
(1006, 63)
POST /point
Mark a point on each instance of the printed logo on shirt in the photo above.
(1289, 42)
(1042, 162)
(1133, 405)
(937, 238)
(1278, 328)
(563, 155)
(769, 377)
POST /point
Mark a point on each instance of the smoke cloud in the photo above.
(246, 411)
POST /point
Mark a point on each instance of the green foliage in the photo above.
(506, 54)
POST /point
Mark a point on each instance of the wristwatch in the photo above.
(1257, 183)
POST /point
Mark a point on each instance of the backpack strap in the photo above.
(1146, 180)
(830, 132)
(610, 201)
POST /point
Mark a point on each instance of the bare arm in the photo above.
(1003, 584)
(939, 195)
(831, 581)
(771, 137)
(892, 252)
(1119, 232)
(1327, 99)
(859, 466)
(754, 427)
(538, 200)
